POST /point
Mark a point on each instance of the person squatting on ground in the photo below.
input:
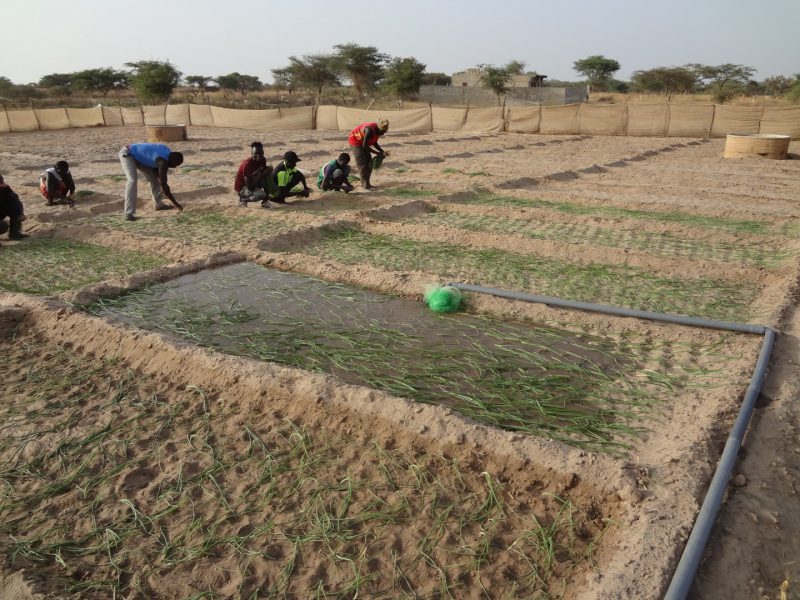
(56, 184)
(333, 175)
(153, 161)
(11, 208)
(364, 142)
(286, 176)
(252, 178)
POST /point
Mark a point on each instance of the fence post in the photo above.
(713, 115)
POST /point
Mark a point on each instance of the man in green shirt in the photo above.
(285, 177)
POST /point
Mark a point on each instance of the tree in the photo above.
(436, 79)
(793, 93)
(101, 80)
(285, 77)
(778, 85)
(516, 67)
(497, 78)
(403, 77)
(240, 83)
(154, 80)
(60, 83)
(199, 83)
(723, 81)
(362, 65)
(314, 71)
(669, 80)
(597, 69)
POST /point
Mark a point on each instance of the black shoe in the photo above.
(278, 200)
(165, 207)
(18, 236)
(130, 217)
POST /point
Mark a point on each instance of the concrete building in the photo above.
(472, 78)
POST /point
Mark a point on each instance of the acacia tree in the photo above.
(497, 78)
(436, 79)
(664, 79)
(403, 77)
(60, 83)
(597, 69)
(793, 93)
(154, 80)
(315, 71)
(362, 65)
(240, 83)
(723, 81)
(199, 83)
(777, 85)
(101, 80)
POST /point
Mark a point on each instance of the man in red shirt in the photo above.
(252, 176)
(364, 141)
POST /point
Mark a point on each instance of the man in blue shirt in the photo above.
(153, 161)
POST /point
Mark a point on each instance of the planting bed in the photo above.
(247, 431)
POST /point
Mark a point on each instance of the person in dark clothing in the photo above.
(285, 177)
(333, 175)
(364, 143)
(11, 208)
(56, 184)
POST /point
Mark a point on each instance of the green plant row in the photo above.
(44, 266)
(586, 391)
(169, 490)
(683, 218)
(658, 244)
(605, 284)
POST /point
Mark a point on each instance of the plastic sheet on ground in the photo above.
(601, 119)
(736, 119)
(177, 114)
(488, 120)
(85, 117)
(200, 115)
(523, 119)
(647, 119)
(52, 118)
(560, 119)
(781, 120)
(22, 120)
(690, 120)
(448, 119)
(112, 116)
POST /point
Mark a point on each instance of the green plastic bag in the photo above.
(443, 299)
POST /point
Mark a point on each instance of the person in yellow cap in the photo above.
(364, 142)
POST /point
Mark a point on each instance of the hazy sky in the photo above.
(205, 37)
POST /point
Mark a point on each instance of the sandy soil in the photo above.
(653, 494)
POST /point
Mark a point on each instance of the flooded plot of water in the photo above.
(512, 375)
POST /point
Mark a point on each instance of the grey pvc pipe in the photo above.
(612, 310)
(684, 574)
(683, 577)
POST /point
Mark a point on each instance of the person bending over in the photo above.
(252, 178)
(286, 176)
(364, 142)
(56, 184)
(334, 175)
(11, 208)
(153, 161)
